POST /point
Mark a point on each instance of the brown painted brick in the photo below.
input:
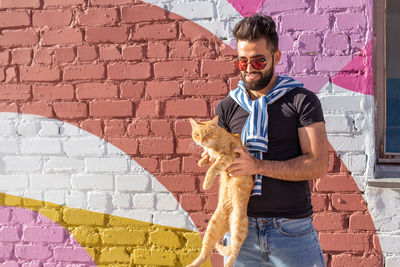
(361, 221)
(42, 109)
(20, 4)
(19, 38)
(43, 56)
(84, 72)
(107, 35)
(132, 90)
(133, 52)
(51, 92)
(348, 202)
(96, 91)
(170, 165)
(156, 31)
(187, 146)
(70, 110)
(200, 219)
(93, 126)
(183, 128)
(109, 2)
(10, 19)
(39, 74)
(210, 202)
(178, 183)
(348, 260)
(329, 221)
(98, 17)
(110, 53)
(203, 87)
(191, 202)
(129, 146)
(204, 49)
(156, 146)
(161, 128)
(52, 18)
(148, 109)
(192, 31)
(186, 108)
(168, 89)
(157, 50)
(174, 69)
(190, 165)
(2, 75)
(226, 50)
(233, 82)
(62, 36)
(341, 182)
(141, 13)
(111, 109)
(150, 164)
(139, 128)
(344, 242)
(179, 49)
(64, 54)
(21, 56)
(86, 53)
(114, 128)
(124, 71)
(319, 202)
(49, 3)
(4, 57)
(8, 107)
(218, 69)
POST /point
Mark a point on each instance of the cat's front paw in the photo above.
(206, 185)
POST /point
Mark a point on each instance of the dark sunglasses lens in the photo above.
(258, 64)
(241, 64)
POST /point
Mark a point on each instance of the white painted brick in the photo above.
(69, 130)
(194, 10)
(9, 146)
(143, 201)
(36, 195)
(50, 181)
(389, 243)
(12, 182)
(49, 128)
(114, 151)
(7, 128)
(337, 124)
(93, 182)
(122, 201)
(166, 202)
(18, 163)
(41, 146)
(226, 10)
(28, 128)
(136, 168)
(110, 165)
(355, 163)
(143, 215)
(57, 197)
(339, 104)
(170, 219)
(343, 143)
(64, 164)
(158, 187)
(99, 201)
(136, 183)
(76, 199)
(392, 261)
(84, 147)
(217, 27)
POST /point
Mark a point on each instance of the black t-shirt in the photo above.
(297, 108)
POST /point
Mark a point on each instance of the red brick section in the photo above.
(133, 74)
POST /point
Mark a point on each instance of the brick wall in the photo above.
(94, 100)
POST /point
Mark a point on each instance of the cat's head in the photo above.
(205, 133)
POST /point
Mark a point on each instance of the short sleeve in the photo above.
(219, 111)
(310, 110)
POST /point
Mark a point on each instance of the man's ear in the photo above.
(277, 57)
(193, 122)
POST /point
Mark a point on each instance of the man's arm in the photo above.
(312, 164)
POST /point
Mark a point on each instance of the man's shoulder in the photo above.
(227, 103)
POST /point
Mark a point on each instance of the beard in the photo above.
(261, 83)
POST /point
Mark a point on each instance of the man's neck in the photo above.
(263, 92)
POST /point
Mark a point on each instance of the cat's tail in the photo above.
(223, 250)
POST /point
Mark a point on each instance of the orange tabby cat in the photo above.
(234, 191)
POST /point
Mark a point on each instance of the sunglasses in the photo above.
(257, 63)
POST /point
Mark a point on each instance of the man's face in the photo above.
(254, 79)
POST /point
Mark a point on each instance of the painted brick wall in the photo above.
(97, 166)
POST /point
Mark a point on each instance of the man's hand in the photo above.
(246, 164)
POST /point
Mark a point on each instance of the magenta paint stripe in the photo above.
(246, 8)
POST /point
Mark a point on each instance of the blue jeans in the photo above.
(280, 242)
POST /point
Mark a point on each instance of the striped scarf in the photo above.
(255, 131)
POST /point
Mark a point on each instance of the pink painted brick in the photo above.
(311, 22)
(6, 251)
(5, 215)
(282, 67)
(340, 3)
(9, 234)
(336, 41)
(10, 264)
(21, 215)
(31, 264)
(43, 234)
(71, 254)
(286, 43)
(279, 6)
(350, 21)
(309, 43)
(32, 252)
(302, 64)
(332, 63)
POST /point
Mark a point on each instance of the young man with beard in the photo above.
(282, 126)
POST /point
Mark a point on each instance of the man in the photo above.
(282, 126)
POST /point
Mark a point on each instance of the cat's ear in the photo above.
(215, 120)
(193, 122)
